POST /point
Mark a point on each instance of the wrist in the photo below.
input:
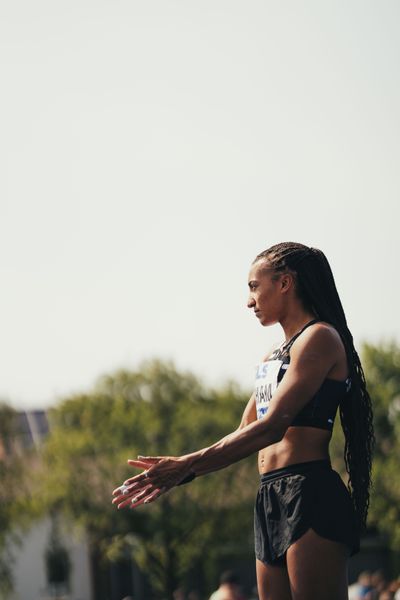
(189, 473)
(188, 478)
(190, 462)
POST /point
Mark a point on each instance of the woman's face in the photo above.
(266, 292)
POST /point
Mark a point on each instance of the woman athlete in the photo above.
(306, 521)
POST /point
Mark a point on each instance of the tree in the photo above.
(382, 368)
(155, 410)
(12, 488)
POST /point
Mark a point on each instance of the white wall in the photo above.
(29, 567)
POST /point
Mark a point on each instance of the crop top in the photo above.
(320, 411)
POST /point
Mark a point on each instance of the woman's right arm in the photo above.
(312, 357)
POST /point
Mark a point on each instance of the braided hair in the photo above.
(317, 291)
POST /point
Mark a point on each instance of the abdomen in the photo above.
(299, 444)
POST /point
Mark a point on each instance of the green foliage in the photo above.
(336, 450)
(382, 368)
(154, 411)
(10, 492)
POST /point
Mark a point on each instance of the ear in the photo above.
(287, 282)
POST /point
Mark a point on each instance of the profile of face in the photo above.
(268, 292)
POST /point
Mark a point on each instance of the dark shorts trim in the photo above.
(299, 497)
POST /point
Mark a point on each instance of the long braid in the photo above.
(316, 288)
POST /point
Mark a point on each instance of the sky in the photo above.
(150, 150)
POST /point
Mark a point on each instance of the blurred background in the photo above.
(149, 151)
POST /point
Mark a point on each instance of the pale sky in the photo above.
(150, 150)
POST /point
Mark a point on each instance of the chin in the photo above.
(265, 322)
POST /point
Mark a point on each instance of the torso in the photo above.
(299, 444)
(302, 443)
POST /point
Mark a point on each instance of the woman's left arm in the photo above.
(312, 356)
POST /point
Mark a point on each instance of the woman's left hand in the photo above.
(161, 473)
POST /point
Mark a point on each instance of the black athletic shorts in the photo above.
(296, 498)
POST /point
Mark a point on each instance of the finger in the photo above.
(140, 496)
(125, 491)
(154, 495)
(135, 504)
(148, 498)
(138, 478)
(128, 486)
(122, 502)
(140, 464)
(142, 493)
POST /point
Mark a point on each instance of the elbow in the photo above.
(277, 434)
(243, 424)
(274, 431)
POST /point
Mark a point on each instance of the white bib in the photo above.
(266, 384)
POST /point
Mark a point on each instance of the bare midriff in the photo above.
(299, 444)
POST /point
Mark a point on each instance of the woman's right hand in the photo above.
(160, 474)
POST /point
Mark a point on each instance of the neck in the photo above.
(294, 321)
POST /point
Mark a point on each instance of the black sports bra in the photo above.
(320, 411)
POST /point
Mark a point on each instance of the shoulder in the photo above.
(320, 333)
(317, 340)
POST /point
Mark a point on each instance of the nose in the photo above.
(251, 302)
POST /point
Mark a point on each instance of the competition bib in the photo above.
(266, 384)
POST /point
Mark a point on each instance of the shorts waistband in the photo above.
(295, 469)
